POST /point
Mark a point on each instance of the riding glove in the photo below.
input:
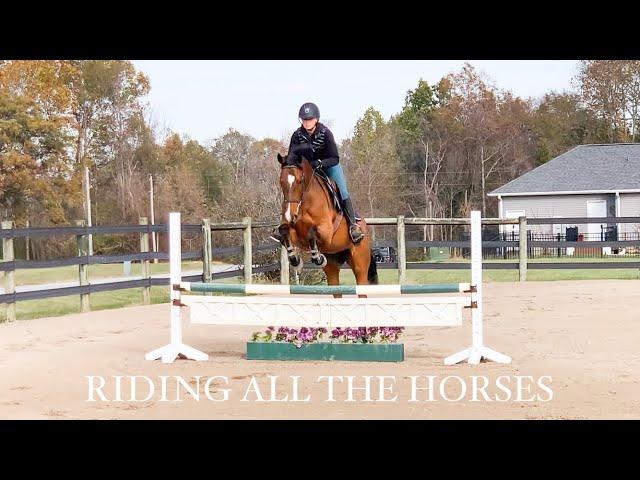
(303, 150)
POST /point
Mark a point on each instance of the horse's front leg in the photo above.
(295, 259)
(316, 257)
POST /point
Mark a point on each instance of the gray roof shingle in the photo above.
(586, 167)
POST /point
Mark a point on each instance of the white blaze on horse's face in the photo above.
(290, 180)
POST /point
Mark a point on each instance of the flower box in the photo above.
(350, 352)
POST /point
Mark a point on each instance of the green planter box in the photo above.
(350, 352)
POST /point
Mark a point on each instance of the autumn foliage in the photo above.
(450, 144)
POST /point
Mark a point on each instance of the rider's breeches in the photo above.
(337, 174)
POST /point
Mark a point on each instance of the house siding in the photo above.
(630, 207)
(548, 206)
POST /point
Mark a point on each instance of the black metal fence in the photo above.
(543, 245)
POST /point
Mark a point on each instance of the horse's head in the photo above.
(295, 175)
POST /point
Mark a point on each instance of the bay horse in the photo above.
(310, 222)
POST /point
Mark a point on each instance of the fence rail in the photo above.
(519, 247)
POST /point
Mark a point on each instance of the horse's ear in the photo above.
(280, 159)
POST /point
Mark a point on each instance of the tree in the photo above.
(374, 168)
(47, 83)
(561, 122)
(32, 154)
(494, 127)
(233, 148)
(419, 105)
(111, 127)
(611, 89)
(96, 107)
(264, 173)
(188, 153)
(423, 142)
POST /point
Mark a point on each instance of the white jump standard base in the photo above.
(176, 348)
(477, 351)
(475, 354)
(170, 352)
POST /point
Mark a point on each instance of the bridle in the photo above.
(298, 202)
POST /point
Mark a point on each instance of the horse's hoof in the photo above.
(320, 260)
(297, 266)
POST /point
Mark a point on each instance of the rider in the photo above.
(314, 141)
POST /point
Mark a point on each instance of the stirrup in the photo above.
(358, 239)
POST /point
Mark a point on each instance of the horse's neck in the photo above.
(318, 187)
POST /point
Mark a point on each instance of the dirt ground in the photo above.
(581, 338)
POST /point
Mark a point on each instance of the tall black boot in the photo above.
(354, 229)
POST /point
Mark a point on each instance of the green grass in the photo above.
(70, 273)
(52, 307)
(610, 259)
(459, 276)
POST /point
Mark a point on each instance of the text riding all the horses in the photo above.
(333, 388)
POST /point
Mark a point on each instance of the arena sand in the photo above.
(583, 335)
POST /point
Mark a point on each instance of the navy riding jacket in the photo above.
(319, 146)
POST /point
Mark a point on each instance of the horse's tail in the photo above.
(372, 274)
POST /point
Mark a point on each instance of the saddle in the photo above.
(332, 188)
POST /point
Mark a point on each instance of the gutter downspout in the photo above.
(500, 212)
(618, 212)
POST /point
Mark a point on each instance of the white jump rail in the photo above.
(296, 306)
(326, 312)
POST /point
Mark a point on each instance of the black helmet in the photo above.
(309, 111)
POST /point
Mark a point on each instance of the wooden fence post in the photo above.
(146, 270)
(82, 242)
(27, 245)
(206, 250)
(284, 266)
(9, 279)
(248, 254)
(522, 235)
(402, 252)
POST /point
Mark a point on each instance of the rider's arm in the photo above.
(292, 143)
(331, 156)
(296, 148)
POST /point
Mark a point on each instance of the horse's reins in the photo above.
(304, 189)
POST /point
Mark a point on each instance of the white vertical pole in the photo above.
(175, 265)
(476, 277)
(477, 351)
(176, 348)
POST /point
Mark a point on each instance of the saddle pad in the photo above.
(334, 193)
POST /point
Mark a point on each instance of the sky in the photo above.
(204, 98)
